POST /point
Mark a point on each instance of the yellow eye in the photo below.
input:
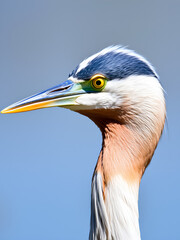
(98, 81)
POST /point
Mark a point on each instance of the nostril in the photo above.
(60, 89)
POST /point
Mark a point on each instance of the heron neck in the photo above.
(117, 175)
(123, 153)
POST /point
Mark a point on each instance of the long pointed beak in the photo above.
(63, 95)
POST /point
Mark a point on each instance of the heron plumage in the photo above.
(119, 90)
(115, 62)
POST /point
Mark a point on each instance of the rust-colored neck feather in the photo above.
(126, 149)
(121, 153)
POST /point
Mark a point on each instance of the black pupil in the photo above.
(98, 82)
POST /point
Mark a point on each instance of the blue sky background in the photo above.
(48, 156)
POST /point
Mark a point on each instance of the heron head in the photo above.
(113, 80)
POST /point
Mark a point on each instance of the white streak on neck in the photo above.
(116, 217)
(122, 209)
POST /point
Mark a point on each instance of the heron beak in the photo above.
(63, 95)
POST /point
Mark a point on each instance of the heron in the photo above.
(120, 91)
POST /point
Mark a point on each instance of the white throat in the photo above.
(116, 217)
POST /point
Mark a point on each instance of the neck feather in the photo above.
(114, 216)
(123, 158)
(115, 185)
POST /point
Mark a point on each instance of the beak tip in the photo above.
(4, 111)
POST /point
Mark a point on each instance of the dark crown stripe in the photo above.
(114, 65)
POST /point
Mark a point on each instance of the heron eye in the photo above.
(98, 82)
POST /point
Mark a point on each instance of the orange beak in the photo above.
(63, 95)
